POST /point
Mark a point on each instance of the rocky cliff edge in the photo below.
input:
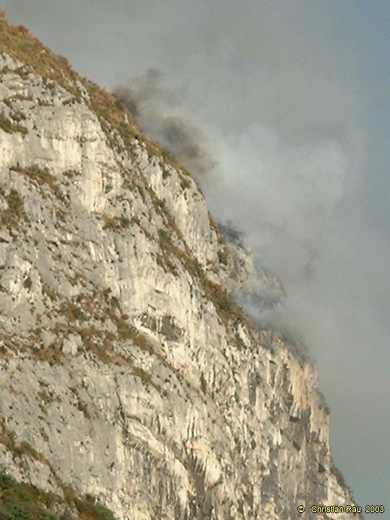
(127, 372)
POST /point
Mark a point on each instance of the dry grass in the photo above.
(9, 126)
(42, 177)
(22, 46)
(115, 119)
(116, 223)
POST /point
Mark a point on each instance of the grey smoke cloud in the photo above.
(291, 102)
(156, 110)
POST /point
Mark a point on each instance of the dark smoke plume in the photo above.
(155, 109)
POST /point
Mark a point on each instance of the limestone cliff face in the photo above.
(126, 370)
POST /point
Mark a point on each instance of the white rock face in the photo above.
(126, 370)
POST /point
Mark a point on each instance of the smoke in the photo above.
(290, 180)
(156, 109)
(283, 189)
(286, 105)
(285, 185)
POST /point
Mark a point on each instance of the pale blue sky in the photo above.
(293, 99)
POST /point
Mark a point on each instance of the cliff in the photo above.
(127, 372)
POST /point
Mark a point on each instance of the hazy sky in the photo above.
(291, 102)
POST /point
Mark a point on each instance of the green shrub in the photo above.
(88, 508)
(164, 235)
(22, 501)
(15, 203)
(12, 216)
(19, 501)
(222, 256)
